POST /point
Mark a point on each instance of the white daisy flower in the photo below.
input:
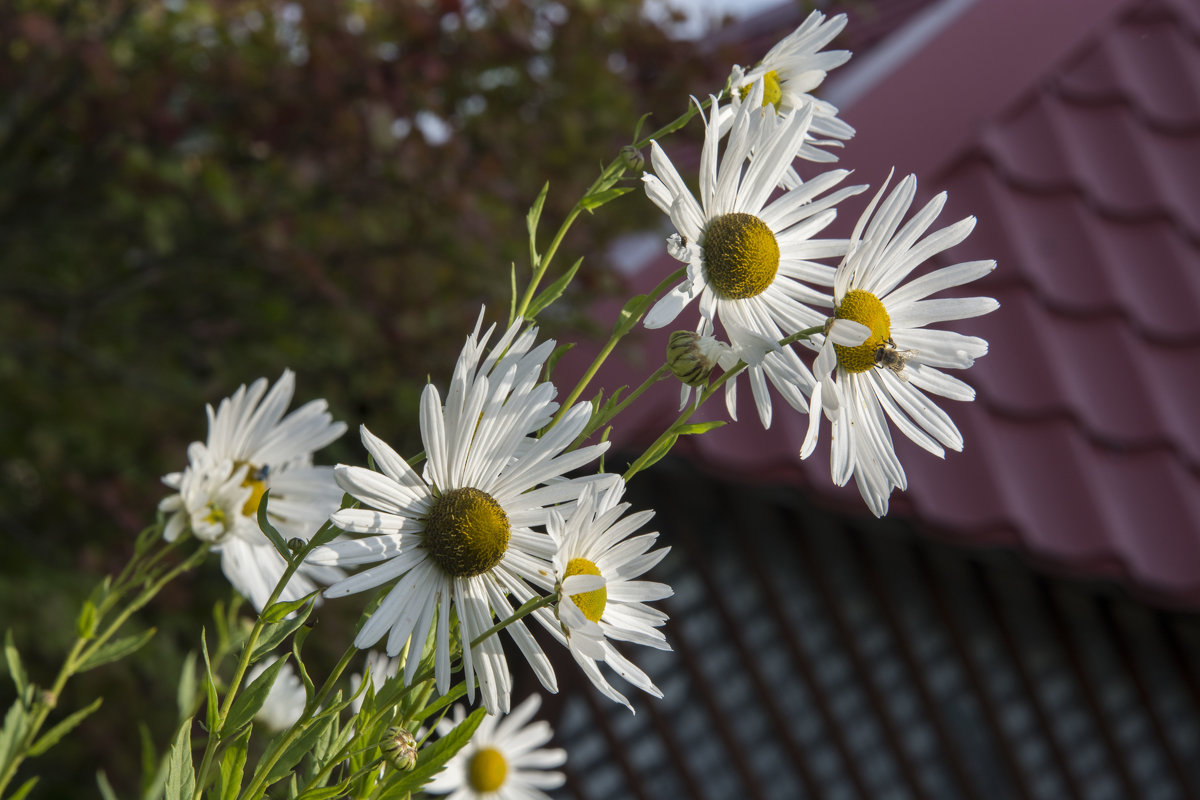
(890, 372)
(252, 448)
(595, 568)
(505, 759)
(285, 702)
(461, 534)
(750, 256)
(789, 73)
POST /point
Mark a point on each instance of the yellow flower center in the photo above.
(256, 480)
(590, 603)
(863, 307)
(466, 532)
(487, 770)
(772, 91)
(741, 255)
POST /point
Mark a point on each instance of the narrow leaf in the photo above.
(106, 790)
(326, 533)
(253, 696)
(15, 670)
(181, 775)
(323, 793)
(275, 633)
(531, 223)
(304, 743)
(512, 302)
(699, 427)
(280, 610)
(553, 291)
(16, 723)
(52, 736)
(85, 623)
(116, 650)
(433, 758)
(597, 199)
(212, 711)
(269, 530)
(631, 312)
(456, 691)
(26, 788)
(233, 765)
(185, 693)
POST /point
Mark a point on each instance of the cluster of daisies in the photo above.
(497, 514)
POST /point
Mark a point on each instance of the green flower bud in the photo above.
(688, 359)
(632, 158)
(400, 748)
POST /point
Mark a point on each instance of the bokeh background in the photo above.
(197, 193)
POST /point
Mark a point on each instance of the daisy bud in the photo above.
(632, 158)
(690, 357)
(400, 748)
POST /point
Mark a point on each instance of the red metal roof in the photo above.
(1072, 131)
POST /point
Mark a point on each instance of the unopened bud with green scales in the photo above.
(691, 357)
(400, 748)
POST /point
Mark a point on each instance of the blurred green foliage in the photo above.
(196, 193)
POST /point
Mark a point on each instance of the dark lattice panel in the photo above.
(817, 656)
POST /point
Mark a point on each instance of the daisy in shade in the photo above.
(461, 533)
(252, 448)
(889, 374)
(595, 567)
(505, 759)
(789, 73)
(750, 258)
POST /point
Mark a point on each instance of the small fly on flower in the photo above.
(888, 356)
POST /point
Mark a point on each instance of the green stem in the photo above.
(622, 328)
(671, 432)
(601, 418)
(86, 645)
(609, 175)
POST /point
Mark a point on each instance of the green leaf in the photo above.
(269, 530)
(16, 724)
(275, 633)
(327, 532)
(631, 312)
(553, 291)
(531, 223)
(597, 199)
(310, 689)
(280, 610)
(233, 765)
(52, 736)
(659, 452)
(181, 775)
(433, 758)
(154, 772)
(699, 427)
(323, 793)
(26, 788)
(512, 281)
(456, 691)
(303, 744)
(88, 619)
(212, 710)
(253, 696)
(116, 650)
(637, 131)
(106, 790)
(185, 693)
(15, 670)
